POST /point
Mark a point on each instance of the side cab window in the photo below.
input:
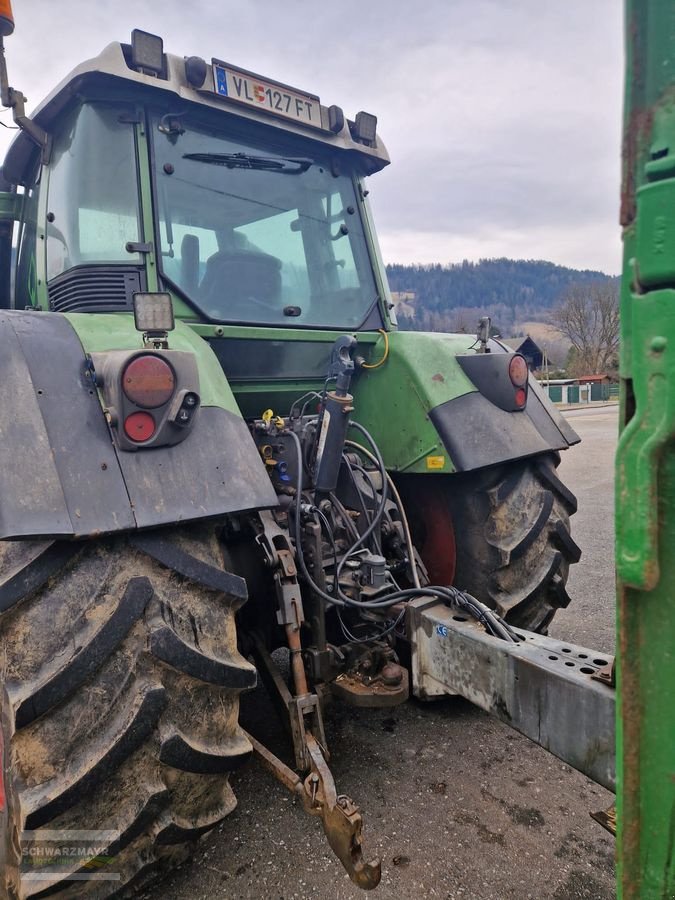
(25, 278)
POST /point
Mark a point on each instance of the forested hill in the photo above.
(451, 297)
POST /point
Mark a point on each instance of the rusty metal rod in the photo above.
(297, 665)
(273, 764)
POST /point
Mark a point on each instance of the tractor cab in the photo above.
(240, 196)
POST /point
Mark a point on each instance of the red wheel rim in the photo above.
(438, 550)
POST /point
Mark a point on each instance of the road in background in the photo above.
(588, 469)
(456, 804)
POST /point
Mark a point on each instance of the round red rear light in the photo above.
(518, 371)
(521, 397)
(139, 427)
(148, 381)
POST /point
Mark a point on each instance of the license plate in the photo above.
(279, 99)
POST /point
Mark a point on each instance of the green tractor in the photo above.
(214, 443)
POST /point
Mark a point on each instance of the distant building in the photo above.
(529, 349)
(594, 379)
(587, 389)
(403, 303)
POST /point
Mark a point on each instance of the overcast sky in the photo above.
(502, 117)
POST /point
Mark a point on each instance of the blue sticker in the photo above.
(442, 630)
(221, 81)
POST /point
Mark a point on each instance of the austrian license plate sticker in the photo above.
(278, 99)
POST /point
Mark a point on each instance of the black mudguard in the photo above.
(61, 474)
(481, 428)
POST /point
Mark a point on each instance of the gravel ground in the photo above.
(456, 804)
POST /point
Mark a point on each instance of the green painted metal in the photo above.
(145, 191)
(393, 401)
(645, 485)
(278, 392)
(265, 332)
(116, 331)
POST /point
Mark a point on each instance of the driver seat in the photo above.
(235, 278)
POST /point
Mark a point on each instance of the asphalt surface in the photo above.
(456, 804)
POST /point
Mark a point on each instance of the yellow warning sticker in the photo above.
(435, 462)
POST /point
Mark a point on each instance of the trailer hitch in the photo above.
(340, 816)
(301, 713)
(341, 820)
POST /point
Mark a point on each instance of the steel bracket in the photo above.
(299, 715)
(279, 555)
(305, 716)
(542, 687)
(340, 816)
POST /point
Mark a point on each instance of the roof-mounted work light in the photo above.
(365, 128)
(195, 71)
(147, 52)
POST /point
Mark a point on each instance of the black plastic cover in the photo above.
(61, 476)
(476, 433)
(97, 288)
(490, 374)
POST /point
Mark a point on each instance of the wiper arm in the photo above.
(282, 164)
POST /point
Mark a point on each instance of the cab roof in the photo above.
(113, 70)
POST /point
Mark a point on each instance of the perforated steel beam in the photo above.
(546, 689)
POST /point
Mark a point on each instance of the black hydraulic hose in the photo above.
(362, 500)
(373, 637)
(329, 534)
(359, 492)
(349, 525)
(444, 593)
(342, 600)
(380, 463)
(383, 499)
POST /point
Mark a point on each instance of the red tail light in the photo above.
(518, 371)
(139, 427)
(521, 397)
(148, 381)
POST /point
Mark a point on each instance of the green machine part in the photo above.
(116, 331)
(645, 472)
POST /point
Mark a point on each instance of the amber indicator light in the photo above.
(518, 371)
(148, 381)
(6, 18)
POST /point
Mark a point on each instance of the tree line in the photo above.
(452, 297)
(582, 305)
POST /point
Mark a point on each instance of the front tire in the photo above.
(122, 680)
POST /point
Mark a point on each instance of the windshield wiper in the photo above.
(282, 164)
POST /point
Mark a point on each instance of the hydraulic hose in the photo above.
(444, 593)
(401, 509)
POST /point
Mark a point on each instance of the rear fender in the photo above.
(429, 416)
(62, 475)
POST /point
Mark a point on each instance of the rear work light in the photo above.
(148, 381)
(518, 371)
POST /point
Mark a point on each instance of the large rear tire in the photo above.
(122, 679)
(508, 529)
